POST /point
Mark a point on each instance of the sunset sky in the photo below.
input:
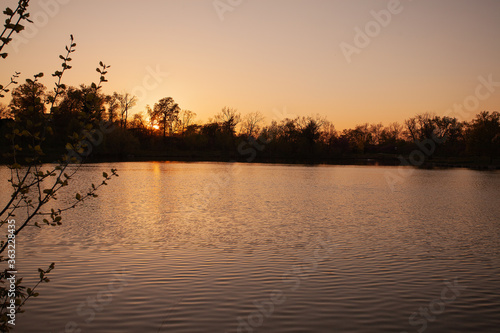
(280, 57)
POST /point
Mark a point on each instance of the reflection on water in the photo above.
(216, 247)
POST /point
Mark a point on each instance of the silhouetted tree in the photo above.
(311, 131)
(250, 125)
(392, 133)
(165, 112)
(28, 100)
(77, 105)
(359, 137)
(228, 119)
(289, 130)
(375, 131)
(450, 134)
(126, 102)
(483, 134)
(328, 134)
(210, 131)
(85, 101)
(185, 119)
(113, 107)
(138, 121)
(421, 127)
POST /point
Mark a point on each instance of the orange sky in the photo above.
(352, 61)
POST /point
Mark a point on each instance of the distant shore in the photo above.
(363, 160)
(367, 159)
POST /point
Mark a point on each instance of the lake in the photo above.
(222, 247)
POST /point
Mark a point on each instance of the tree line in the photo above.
(167, 131)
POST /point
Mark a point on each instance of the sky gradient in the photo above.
(280, 57)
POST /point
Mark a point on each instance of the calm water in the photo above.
(216, 247)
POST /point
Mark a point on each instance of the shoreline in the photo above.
(437, 163)
(373, 159)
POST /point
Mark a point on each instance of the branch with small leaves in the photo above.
(60, 87)
(55, 215)
(26, 130)
(13, 23)
(13, 80)
(33, 188)
(22, 294)
(30, 292)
